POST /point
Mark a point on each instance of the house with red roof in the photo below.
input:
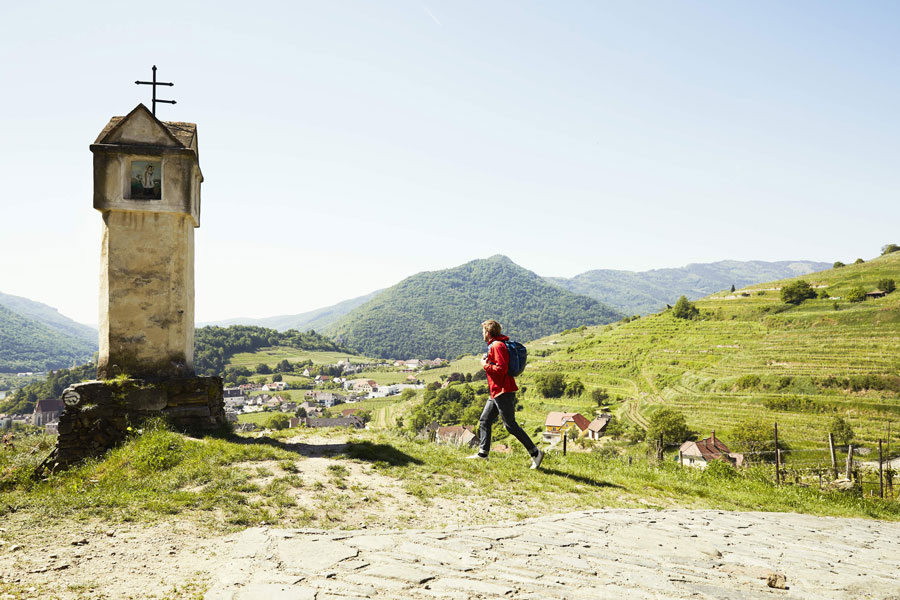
(699, 454)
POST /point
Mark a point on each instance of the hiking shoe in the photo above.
(537, 459)
(481, 456)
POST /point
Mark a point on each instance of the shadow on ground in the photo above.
(580, 479)
(379, 454)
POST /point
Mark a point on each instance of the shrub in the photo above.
(857, 294)
(574, 388)
(747, 382)
(719, 470)
(837, 265)
(550, 385)
(797, 292)
(858, 261)
(824, 294)
(841, 430)
(279, 421)
(263, 369)
(887, 285)
(887, 249)
(684, 309)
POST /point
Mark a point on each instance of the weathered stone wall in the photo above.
(146, 318)
(98, 413)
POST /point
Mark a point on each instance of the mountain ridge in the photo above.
(644, 292)
(437, 313)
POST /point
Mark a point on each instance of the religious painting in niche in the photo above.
(146, 180)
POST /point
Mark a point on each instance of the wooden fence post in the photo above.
(659, 449)
(777, 458)
(880, 471)
(564, 441)
(680, 458)
(833, 456)
(849, 461)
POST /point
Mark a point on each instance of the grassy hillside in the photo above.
(748, 357)
(436, 314)
(27, 345)
(641, 293)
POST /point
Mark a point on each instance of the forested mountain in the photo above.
(214, 345)
(312, 320)
(27, 345)
(647, 292)
(49, 316)
(437, 314)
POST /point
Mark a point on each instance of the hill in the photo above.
(748, 359)
(641, 293)
(28, 345)
(214, 346)
(437, 313)
(49, 316)
(312, 320)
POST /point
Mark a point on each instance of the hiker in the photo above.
(502, 388)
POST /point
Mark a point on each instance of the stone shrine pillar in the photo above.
(147, 187)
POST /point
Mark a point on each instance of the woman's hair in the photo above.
(492, 327)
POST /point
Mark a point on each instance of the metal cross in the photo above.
(155, 83)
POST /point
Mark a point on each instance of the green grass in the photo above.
(259, 418)
(230, 482)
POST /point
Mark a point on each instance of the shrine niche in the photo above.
(145, 182)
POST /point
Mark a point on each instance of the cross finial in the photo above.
(155, 83)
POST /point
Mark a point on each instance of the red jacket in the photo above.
(497, 368)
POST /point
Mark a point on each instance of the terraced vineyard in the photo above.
(747, 350)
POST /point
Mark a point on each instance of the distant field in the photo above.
(272, 356)
(259, 418)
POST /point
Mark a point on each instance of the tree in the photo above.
(301, 412)
(277, 377)
(857, 294)
(858, 261)
(278, 421)
(797, 292)
(838, 264)
(824, 294)
(574, 388)
(550, 385)
(600, 396)
(684, 309)
(670, 425)
(284, 366)
(887, 285)
(888, 248)
(755, 439)
(841, 430)
(614, 428)
(732, 288)
(263, 369)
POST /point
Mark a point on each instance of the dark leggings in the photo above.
(505, 406)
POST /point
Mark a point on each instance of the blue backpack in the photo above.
(518, 356)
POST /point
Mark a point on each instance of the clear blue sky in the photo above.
(347, 145)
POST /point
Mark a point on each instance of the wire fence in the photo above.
(867, 469)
